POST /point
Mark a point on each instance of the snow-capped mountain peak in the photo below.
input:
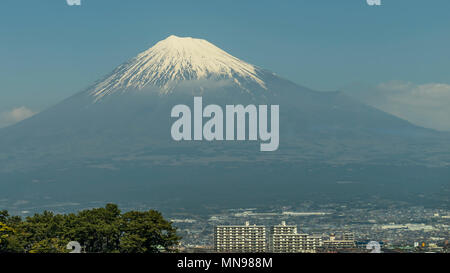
(173, 60)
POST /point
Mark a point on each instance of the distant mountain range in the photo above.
(112, 141)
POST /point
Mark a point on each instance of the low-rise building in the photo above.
(347, 241)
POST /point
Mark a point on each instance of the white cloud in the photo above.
(15, 115)
(426, 105)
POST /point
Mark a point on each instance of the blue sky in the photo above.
(49, 50)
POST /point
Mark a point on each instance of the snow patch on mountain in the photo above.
(176, 59)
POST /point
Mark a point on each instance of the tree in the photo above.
(147, 232)
(98, 230)
(132, 243)
(49, 245)
(8, 242)
(3, 215)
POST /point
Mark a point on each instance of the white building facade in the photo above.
(240, 239)
(285, 239)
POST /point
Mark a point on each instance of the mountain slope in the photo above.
(114, 138)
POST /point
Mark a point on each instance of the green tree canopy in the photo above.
(98, 230)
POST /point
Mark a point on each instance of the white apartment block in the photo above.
(284, 239)
(236, 239)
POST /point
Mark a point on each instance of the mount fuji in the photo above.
(112, 141)
(174, 60)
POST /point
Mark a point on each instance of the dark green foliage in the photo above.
(99, 230)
